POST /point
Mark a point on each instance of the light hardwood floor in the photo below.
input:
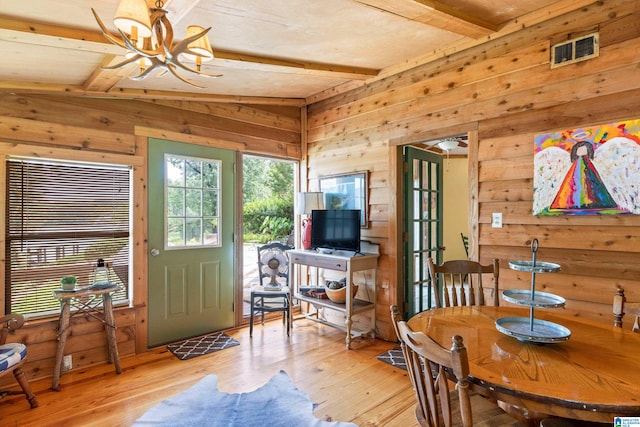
(348, 385)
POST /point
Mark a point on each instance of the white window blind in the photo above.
(60, 219)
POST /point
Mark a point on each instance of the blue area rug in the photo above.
(278, 403)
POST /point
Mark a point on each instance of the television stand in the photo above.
(349, 264)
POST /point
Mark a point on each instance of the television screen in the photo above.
(336, 229)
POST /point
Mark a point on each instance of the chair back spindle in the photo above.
(461, 282)
(621, 307)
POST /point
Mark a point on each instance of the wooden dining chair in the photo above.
(621, 307)
(430, 366)
(461, 282)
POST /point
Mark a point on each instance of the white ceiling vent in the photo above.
(575, 50)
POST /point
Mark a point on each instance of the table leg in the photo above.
(110, 329)
(349, 306)
(63, 331)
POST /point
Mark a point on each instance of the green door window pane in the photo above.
(175, 232)
(174, 168)
(210, 203)
(193, 172)
(210, 231)
(175, 201)
(211, 172)
(193, 231)
(194, 203)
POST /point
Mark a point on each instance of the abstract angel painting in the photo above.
(593, 170)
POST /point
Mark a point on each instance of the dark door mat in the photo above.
(198, 346)
(393, 357)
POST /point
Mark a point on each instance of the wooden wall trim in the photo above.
(238, 241)
(474, 205)
(395, 247)
(64, 135)
(191, 139)
(431, 134)
(27, 150)
(140, 246)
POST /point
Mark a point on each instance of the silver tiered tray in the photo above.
(531, 329)
(534, 267)
(543, 330)
(542, 299)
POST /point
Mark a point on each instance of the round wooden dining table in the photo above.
(592, 376)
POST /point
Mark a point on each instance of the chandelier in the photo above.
(147, 35)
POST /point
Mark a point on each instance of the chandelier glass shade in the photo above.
(147, 35)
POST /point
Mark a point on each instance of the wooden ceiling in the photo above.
(285, 52)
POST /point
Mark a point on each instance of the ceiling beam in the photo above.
(533, 18)
(73, 38)
(13, 87)
(436, 15)
(103, 80)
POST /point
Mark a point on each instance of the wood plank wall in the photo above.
(104, 129)
(505, 91)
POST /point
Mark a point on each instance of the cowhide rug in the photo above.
(277, 403)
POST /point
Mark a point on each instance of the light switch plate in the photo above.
(496, 220)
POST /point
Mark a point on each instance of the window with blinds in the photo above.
(61, 218)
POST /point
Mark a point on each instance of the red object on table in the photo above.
(306, 233)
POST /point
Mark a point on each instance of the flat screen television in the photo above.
(336, 229)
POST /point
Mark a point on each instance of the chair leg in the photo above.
(26, 388)
(251, 319)
(288, 320)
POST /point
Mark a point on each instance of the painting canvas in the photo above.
(593, 170)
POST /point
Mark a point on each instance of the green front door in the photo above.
(423, 225)
(191, 224)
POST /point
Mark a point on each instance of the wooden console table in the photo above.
(339, 261)
(88, 301)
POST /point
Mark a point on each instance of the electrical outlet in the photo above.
(496, 220)
(67, 363)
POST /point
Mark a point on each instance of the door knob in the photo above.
(155, 252)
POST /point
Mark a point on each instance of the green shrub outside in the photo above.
(268, 219)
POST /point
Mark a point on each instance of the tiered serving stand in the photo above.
(531, 329)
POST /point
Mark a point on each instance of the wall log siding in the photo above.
(505, 90)
(110, 130)
(502, 92)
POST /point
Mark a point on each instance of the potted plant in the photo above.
(69, 283)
